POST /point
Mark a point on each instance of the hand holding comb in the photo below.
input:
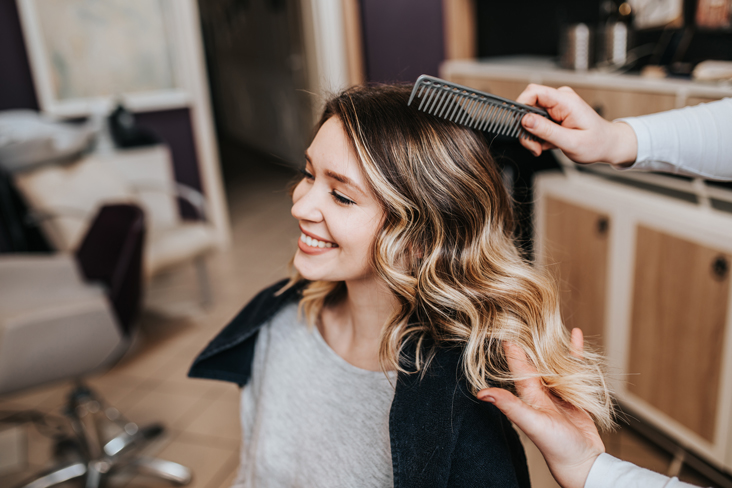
(472, 108)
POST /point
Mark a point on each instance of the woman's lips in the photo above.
(312, 245)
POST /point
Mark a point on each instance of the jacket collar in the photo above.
(228, 356)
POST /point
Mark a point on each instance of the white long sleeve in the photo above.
(692, 141)
(609, 472)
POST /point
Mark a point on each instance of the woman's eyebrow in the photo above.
(344, 179)
(338, 177)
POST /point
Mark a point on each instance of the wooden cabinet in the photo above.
(613, 104)
(510, 89)
(677, 326)
(650, 275)
(691, 101)
(576, 245)
(645, 275)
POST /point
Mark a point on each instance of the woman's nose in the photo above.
(304, 204)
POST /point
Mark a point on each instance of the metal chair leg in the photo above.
(166, 470)
(94, 472)
(58, 476)
(204, 284)
(95, 460)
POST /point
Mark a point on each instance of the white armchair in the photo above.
(65, 197)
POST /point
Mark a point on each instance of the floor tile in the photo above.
(226, 476)
(45, 397)
(229, 479)
(170, 409)
(217, 419)
(636, 450)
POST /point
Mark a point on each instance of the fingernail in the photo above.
(488, 398)
(529, 121)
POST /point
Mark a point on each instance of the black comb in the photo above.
(472, 108)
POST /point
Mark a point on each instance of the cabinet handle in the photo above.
(720, 268)
(603, 225)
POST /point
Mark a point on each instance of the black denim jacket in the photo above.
(440, 434)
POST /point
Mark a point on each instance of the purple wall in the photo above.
(17, 91)
(402, 38)
(174, 127)
(16, 84)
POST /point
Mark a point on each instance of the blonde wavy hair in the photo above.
(446, 251)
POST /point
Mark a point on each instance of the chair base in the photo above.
(90, 457)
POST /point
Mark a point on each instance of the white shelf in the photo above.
(541, 70)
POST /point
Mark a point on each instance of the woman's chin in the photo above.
(305, 269)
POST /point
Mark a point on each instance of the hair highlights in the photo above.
(446, 251)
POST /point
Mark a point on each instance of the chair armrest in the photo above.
(187, 193)
(35, 217)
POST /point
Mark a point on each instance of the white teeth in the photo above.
(314, 242)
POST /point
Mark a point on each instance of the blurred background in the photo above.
(197, 113)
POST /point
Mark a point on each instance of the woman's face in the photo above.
(338, 214)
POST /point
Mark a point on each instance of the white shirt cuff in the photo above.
(609, 472)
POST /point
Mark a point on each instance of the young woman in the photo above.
(408, 284)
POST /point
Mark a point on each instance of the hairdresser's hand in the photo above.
(565, 435)
(580, 133)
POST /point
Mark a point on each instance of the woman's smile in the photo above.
(312, 244)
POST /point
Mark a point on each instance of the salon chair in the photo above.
(63, 197)
(66, 315)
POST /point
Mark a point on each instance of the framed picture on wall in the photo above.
(714, 14)
(83, 52)
(86, 55)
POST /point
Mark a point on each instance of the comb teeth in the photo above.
(472, 108)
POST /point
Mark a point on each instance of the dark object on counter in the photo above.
(614, 41)
(576, 47)
(126, 133)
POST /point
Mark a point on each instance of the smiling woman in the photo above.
(410, 283)
(336, 209)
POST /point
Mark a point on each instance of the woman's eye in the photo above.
(306, 174)
(341, 199)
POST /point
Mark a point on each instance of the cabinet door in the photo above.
(613, 104)
(677, 328)
(576, 252)
(510, 89)
(691, 101)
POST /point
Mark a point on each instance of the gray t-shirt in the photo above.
(309, 418)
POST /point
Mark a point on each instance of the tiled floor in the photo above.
(150, 383)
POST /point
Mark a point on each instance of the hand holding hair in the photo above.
(582, 134)
(565, 435)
